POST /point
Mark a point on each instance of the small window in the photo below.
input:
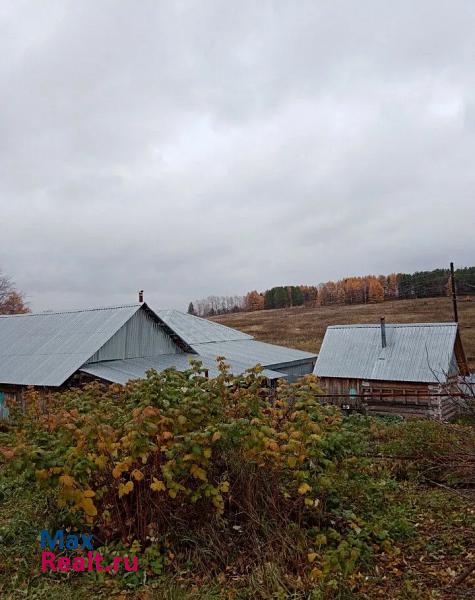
(4, 412)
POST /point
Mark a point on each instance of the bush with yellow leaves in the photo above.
(216, 473)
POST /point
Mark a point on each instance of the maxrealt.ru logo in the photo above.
(86, 561)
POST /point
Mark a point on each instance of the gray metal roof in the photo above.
(122, 371)
(253, 351)
(195, 330)
(414, 352)
(47, 348)
(211, 339)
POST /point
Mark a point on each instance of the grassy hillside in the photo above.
(305, 327)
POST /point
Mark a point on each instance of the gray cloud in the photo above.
(191, 148)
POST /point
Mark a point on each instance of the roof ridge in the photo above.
(206, 319)
(71, 311)
(187, 314)
(377, 325)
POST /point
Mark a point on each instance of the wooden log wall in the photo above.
(406, 399)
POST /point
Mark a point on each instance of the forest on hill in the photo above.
(369, 289)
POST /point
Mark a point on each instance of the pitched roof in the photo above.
(211, 339)
(253, 351)
(121, 371)
(195, 330)
(47, 348)
(419, 352)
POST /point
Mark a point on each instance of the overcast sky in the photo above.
(196, 148)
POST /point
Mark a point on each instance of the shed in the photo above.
(407, 369)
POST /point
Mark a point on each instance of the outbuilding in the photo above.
(406, 369)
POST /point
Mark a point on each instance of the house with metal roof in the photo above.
(407, 369)
(120, 343)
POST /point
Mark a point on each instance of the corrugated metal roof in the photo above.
(414, 352)
(253, 351)
(47, 348)
(195, 330)
(122, 371)
(213, 339)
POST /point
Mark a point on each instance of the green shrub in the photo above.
(426, 450)
(209, 475)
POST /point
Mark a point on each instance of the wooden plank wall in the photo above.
(406, 399)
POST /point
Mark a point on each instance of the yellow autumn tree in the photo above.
(254, 301)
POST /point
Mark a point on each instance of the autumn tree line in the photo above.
(350, 290)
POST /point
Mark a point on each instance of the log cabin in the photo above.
(402, 369)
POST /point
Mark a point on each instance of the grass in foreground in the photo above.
(222, 495)
(438, 529)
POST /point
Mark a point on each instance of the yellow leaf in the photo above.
(42, 474)
(304, 488)
(88, 507)
(100, 461)
(198, 472)
(321, 539)
(116, 472)
(89, 494)
(316, 573)
(217, 501)
(66, 481)
(137, 475)
(224, 486)
(216, 436)
(125, 488)
(172, 493)
(308, 502)
(157, 486)
(291, 461)
(311, 556)
(207, 452)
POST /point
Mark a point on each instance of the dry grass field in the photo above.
(305, 327)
